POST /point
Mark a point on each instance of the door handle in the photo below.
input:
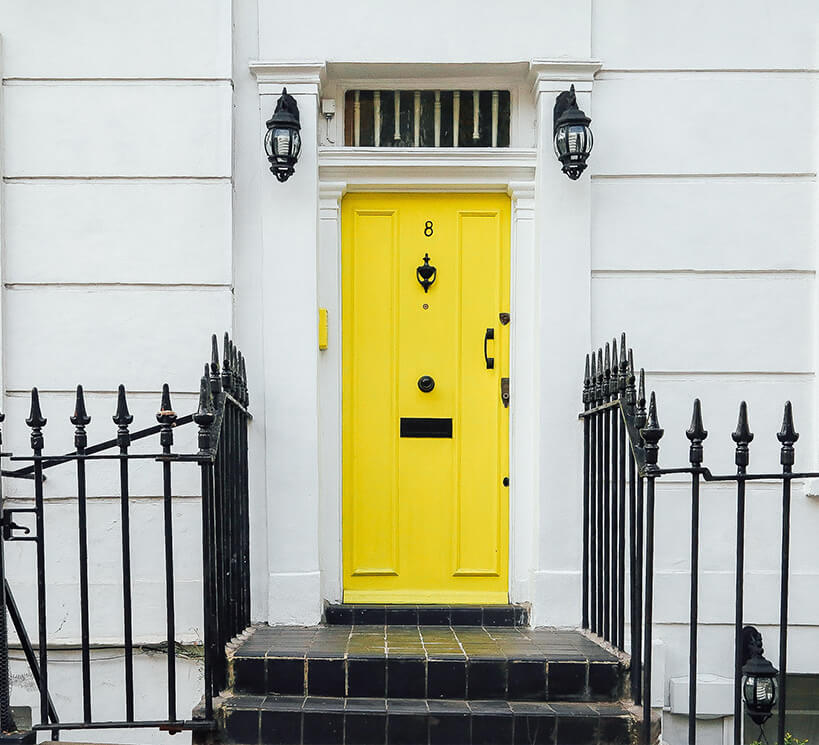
(490, 361)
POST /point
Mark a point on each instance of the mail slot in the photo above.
(426, 427)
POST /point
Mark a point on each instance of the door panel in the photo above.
(425, 518)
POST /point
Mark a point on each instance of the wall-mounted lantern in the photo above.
(759, 677)
(573, 139)
(282, 143)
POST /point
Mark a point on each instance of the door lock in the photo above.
(426, 383)
(505, 392)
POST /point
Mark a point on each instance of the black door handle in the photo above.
(490, 361)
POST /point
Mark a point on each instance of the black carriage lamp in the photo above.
(282, 143)
(759, 677)
(573, 139)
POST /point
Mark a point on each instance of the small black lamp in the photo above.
(759, 677)
(573, 139)
(282, 143)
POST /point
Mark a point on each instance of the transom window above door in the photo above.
(427, 118)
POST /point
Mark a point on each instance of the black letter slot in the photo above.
(426, 427)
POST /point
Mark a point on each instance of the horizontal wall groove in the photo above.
(700, 176)
(114, 179)
(718, 273)
(15, 80)
(729, 373)
(107, 499)
(615, 73)
(135, 393)
(206, 287)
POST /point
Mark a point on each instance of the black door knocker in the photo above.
(426, 274)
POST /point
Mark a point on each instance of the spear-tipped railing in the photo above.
(619, 435)
(222, 417)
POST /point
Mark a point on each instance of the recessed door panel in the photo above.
(425, 433)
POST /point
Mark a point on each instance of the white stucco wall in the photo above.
(116, 246)
(137, 216)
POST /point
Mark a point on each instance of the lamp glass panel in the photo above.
(281, 142)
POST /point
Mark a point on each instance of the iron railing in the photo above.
(222, 417)
(620, 471)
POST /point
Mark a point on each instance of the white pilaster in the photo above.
(290, 308)
(524, 423)
(564, 245)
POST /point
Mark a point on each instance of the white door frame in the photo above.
(508, 171)
(550, 298)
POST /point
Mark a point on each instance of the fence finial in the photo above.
(600, 377)
(787, 436)
(215, 380)
(204, 416)
(631, 393)
(80, 419)
(586, 384)
(234, 369)
(614, 386)
(607, 373)
(696, 433)
(640, 416)
(122, 418)
(166, 417)
(623, 379)
(742, 436)
(226, 375)
(652, 434)
(243, 375)
(36, 421)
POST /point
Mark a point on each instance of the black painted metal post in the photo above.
(80, 420)
(742, 436)
(787, 436)
(621, 507)
(122, 418)
(614, 414)
(36, 421)
(652, 433)
(696, 433)
(637, 658)
(607, 500)
(7, 723)
(600, 491)
(204, 418)
(166, 417)
(592, 455)
(586, 532)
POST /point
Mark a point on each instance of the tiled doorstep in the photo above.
(564, 666)
(283, 720)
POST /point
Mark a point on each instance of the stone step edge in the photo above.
(250, 720)
(562, 680)
(381, 614)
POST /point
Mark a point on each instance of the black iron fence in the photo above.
(222, 418)
(620, 473)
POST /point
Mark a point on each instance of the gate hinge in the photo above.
(8, 525)
(505, 392)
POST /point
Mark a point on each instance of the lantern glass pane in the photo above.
(561, 146)
(759, 691)
(296, 145)
(281, 142)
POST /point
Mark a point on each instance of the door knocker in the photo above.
(426, 274)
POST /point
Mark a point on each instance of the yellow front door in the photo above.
(426, 434)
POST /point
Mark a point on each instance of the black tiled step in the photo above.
(427, 663)
(284, 720)
(366, 614)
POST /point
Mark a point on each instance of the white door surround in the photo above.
(550, 217)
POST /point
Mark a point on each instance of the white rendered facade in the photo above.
(138, 215)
